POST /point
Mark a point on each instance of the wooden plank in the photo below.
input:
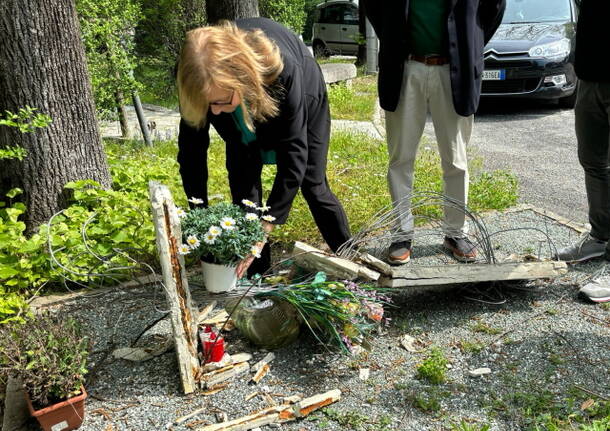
(411, 275)
(182, 315)
(378, 264)
(314, 259)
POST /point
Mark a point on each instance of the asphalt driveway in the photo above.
(537, 142)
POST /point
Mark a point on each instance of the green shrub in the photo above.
(49, 354)
(291, 13)
(100, 232)
(434, 368)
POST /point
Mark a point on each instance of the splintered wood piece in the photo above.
(308, 405)
(203, 314)
(277, 414)
(378, 264)
(169, 239)
(267, 359)
(262, 372)
(408, 275)
(229, 372)
(190, 415)
(314, 259)
(218, 318)
(293, 399)
(244, 423)
(241, 357)
(250, 396)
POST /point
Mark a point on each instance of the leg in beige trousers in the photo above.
(428, 89)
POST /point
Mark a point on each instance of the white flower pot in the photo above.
(218, 278)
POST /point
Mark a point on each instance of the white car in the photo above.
(335, 28)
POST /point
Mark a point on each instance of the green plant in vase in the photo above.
(49, 355)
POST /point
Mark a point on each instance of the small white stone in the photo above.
(479, 372)
(364, 374)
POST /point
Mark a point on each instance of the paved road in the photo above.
(536, 141)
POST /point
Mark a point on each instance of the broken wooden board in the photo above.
(411, 275)
(184, 324)
(229, 372)
(378, 264)
(335, 267)
(277, 414)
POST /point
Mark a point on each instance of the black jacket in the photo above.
(470, 25)
(301, 81)
(592, 37)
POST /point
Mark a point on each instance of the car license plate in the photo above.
(494, 75)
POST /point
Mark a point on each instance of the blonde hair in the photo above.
(228, 58)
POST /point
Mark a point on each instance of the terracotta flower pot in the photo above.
(63, 416)
(218, 278)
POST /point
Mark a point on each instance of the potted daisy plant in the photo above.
(221, 235)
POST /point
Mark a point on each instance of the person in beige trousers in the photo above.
(431, 61)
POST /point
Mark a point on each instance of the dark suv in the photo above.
(532, 53)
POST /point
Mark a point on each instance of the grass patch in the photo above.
(471, 346)
(357, 166)
(353, 102)
(433, 369)
(428, 400)
(484, 328)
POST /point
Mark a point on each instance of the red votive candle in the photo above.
(213, 346)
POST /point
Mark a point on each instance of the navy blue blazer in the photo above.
(470, 25)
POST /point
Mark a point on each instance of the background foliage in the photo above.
(107, 28)
(291, 13)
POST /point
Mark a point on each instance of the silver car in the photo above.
(335, 28)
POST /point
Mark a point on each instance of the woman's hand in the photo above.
(245, 263)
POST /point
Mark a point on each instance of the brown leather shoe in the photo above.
(461, 248)
(399, 252)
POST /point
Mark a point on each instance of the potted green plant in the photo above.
(221, 236)
(49, 355)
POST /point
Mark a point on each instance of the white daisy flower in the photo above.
(264, 208)
(214, 230)
(248, 203)
(209, 238)
(180, 212)
(251, 217)
(255, 251)
(196, 201)
(184, 249)
(268, 218)
(227, 223)
(192, 241)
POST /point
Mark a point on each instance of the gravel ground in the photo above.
(540, 344)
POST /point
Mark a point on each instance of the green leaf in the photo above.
(14, 192)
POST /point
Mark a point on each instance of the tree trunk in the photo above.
(217, 10)
(122, 113)
(42, 65)
(361, 59)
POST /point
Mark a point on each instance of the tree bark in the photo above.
(217, 10)
(42, 65)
